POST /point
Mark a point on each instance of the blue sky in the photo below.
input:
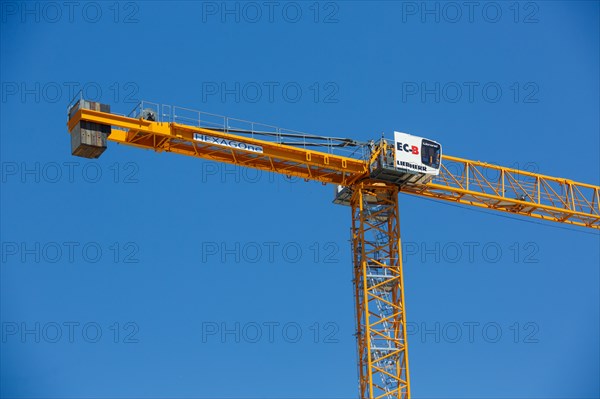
(154, 275)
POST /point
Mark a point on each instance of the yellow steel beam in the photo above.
(274, 157)
(460, 180)
(514, 191)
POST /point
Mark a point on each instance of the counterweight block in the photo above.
(88, 139)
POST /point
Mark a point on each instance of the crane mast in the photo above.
(379, 292)
(368, 180)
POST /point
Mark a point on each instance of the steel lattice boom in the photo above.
(460, 180)
(515, 191)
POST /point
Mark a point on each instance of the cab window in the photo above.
(431, 153)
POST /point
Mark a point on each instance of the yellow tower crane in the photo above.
(368, 178)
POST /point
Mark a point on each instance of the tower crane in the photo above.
(368, 178)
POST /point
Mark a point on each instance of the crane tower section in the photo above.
(379, 292)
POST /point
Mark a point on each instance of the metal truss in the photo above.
(273, 156)
(378, 281)
(514, 191)
(379, 292)
(460, 180)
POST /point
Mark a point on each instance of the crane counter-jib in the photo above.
(222, 146)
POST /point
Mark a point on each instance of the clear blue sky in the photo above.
(168, 256)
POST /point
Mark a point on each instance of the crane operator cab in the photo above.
(412, 160)
(409, 160)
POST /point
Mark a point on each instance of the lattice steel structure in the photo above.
(379, 292)
(378, 282)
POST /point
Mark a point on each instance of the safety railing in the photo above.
(245, 128)
(191, 117)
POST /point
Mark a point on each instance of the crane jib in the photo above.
(92, 125)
